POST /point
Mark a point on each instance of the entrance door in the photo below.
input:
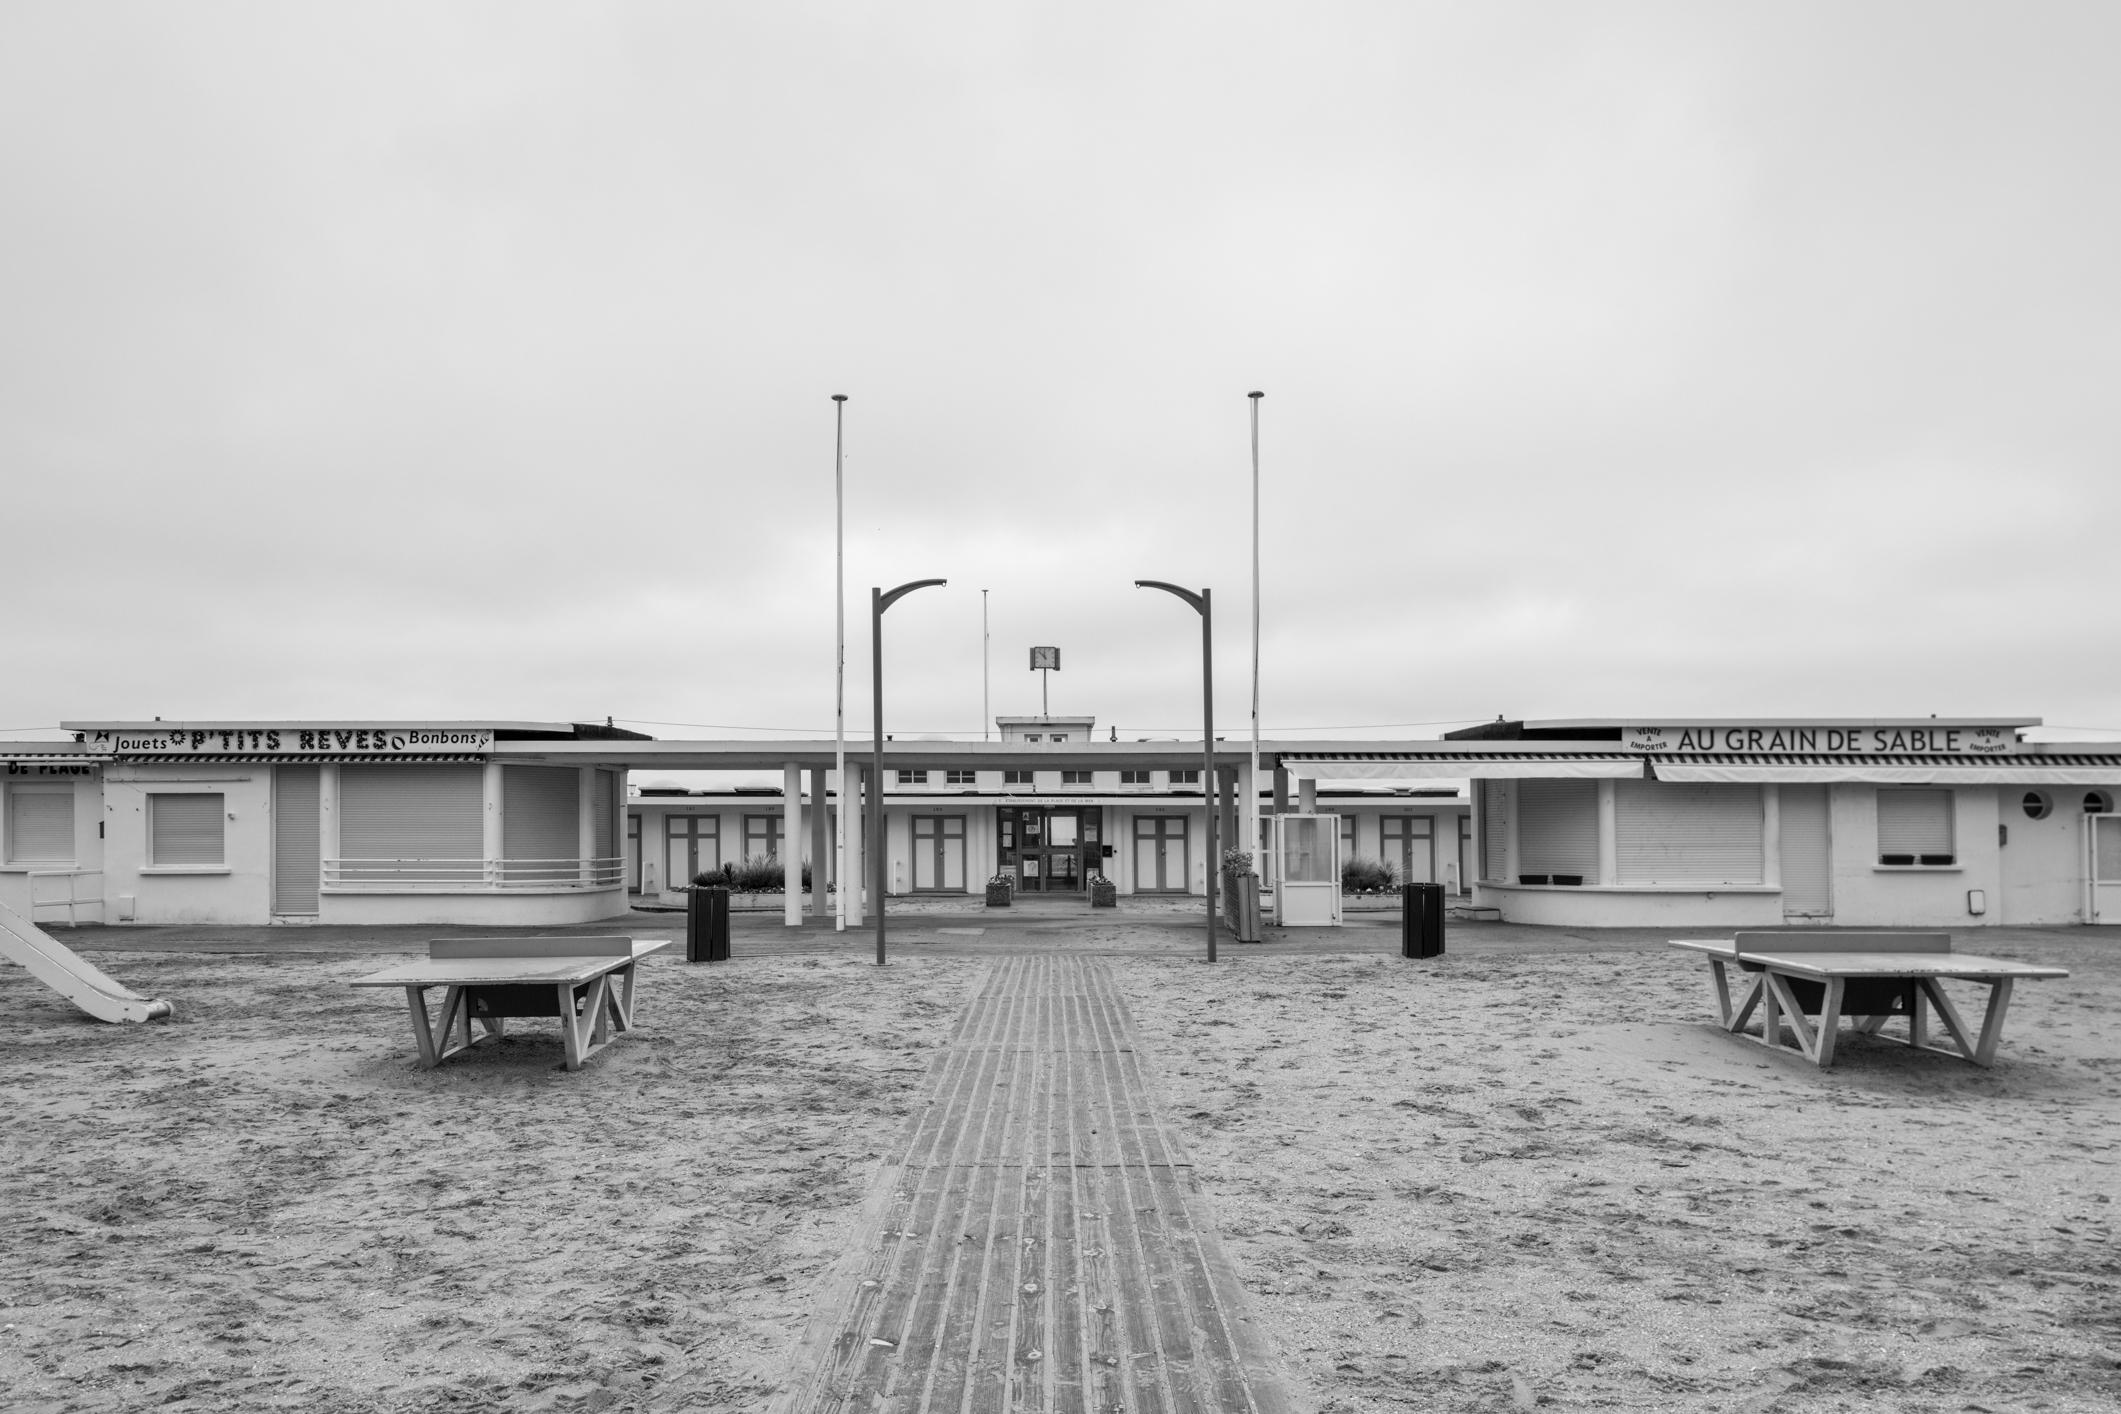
(1160, 854)
(1410, 847)
(939, 854)
(633, 852)
(692, 843)
(1050, 851)
(1807, 853)
(2104, 845)
(296, 846)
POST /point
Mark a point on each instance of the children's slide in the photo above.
(68, 974)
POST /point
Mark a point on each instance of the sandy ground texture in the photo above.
(1497, 1182)
(264, 1204)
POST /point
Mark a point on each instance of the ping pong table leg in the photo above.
(1807, 1038)
(1918, 1018)
(1829, 1021)
(600, 1009)
(571, 1026)
(1770, 1013)
(1999, 1002)
(1953, 1022)
(422, 1031)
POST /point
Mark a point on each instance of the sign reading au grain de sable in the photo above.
(292, 741)
(1841, 739)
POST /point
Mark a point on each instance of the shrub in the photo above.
(759, 874)
(1367, 876)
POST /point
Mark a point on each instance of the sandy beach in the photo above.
(1514, 1178)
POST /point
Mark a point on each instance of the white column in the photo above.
(491, 843)
(327, 815)
(854, 819)
(585, 821)
(1248, 786)
(1608, 834)
(1508, 872)
(792, 845)
(1307, 795)
(1771, 836)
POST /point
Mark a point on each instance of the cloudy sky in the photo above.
(475, 360)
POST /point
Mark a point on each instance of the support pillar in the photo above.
(792, 845)
(1608, 833)
(1226, 810)
(1248, 811)
(1281, 790)
(854, 818)
(820, 860)
(1307, 795)
(1771, 836)
(490, 831)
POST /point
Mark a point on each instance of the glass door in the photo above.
(939, 853)
(1410, 847)
(1160, 854)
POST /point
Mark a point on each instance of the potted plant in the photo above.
(1240, 899)
(1001, 890)
(1103, 892)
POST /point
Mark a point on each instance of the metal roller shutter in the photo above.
(40, 825)
(1807, 854)
(414, 824)
(1557, 831)
(296, 865)
(541, 823)
(1915, 827)
(1494, 830)
(186, 829)
(1687, 834)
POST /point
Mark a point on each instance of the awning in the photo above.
(2012, 770)
(351, 758)
(1458, 766)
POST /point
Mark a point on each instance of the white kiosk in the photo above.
(1307, 871)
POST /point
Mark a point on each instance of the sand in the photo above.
(1493, 1182)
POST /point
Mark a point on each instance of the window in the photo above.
(1134, 778)
(2036, 805)
(413, 825)
(1915, 827)
(1057, 736)
(1016, 778)
(913, 778)
(186, 830)
(1672, 833)
(960, 778)
(541, 824)
(1557, 832)
(40, 824)
(1031, 736)
(1075, 778)
(1186, 778)
(2098, 802)
(762, 837)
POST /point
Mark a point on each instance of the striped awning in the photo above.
(350, 758)
(1459, 765)
(2017, 769)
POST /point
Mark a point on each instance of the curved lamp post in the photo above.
(1202, 606)
(880, 600)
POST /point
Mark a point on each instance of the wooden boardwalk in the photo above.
(1039, 1244)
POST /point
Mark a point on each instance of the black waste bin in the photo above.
(1421, 920)
(707, 925)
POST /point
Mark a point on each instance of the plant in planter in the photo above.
(1001, 890)
(1368, 876)
(1103, 892)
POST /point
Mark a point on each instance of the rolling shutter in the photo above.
(295, 849)
(1687, 834)
(186, 829)
(541, 823)
(430, 817)
(1557, 831)
(1494, 831)
(40, 825)
(1807, 852)
(1915, 827)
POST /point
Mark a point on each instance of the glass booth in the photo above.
(1307, 871)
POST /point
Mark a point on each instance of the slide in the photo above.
(68, 974)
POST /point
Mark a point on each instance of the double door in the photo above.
(1050, 850)
(1160, 854)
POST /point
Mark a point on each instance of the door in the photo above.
(2103, 842)
(1160, 854)
(633, 852)
(1410, 847)
(1807, 853)
(691, 843)
(1465, 852)
(939, 854)
(297, 859)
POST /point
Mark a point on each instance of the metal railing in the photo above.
(73, 903)
(470, 876)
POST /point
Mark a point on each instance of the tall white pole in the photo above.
(1251, 814)
(986, 712)
(839, 695)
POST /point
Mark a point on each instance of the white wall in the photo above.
(2042, 867)
(1868, 895)
(88, 843)
(237, 892)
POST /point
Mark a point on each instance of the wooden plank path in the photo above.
(1039, 1244)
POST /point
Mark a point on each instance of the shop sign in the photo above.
(48, 769)
(292, 741)
(1942, 739)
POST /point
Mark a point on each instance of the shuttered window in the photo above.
(413, 824)
(1557, 832)
(1915, 827)
(1666, 833)
(1494, 830)
(40, 824)
(186, 829)
(541, 823)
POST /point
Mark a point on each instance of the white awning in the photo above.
(2025, 770)
(1459, 768)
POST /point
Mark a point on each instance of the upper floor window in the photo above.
(1134, 778)
(913, 778)
(1032, 736)
(1075, 778)
(1016, 778)
(1057, 736)
(1186, 778)
(960, 778)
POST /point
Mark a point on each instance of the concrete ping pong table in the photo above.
(586, 982)
(1815, 980)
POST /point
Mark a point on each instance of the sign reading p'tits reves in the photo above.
(1833, 739)
(320, 739)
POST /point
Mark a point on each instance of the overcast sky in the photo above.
(475, 361)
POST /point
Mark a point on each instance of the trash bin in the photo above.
(1421, 920)
(707, 925)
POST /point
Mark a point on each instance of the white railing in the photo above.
(470, 876)
(73, 903)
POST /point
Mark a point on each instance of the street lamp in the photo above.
(1203, 607)
(880, 600)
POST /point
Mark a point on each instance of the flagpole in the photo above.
(839, 696)
(1251, 841)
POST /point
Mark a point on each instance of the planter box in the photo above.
(999, 895)
(1104, 895)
